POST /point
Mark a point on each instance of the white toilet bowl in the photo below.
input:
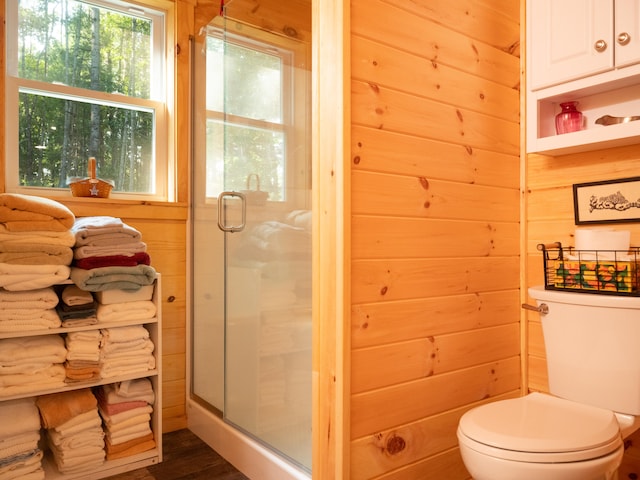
(540, 437)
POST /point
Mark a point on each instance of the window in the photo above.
(255, 131)
(86, 78)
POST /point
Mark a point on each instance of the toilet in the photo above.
(577, 431)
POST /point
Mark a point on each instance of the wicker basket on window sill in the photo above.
(91, 186)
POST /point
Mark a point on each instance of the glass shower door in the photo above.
(265, 213)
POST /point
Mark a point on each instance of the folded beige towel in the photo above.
(35, 254)
(18, 417)
(73, 296)
(65, 238)
(28, 213)
(131, 447)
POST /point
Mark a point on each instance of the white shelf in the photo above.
(84, 328)
(143, 459)
(109, 468)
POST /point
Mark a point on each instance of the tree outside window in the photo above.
(85, 80)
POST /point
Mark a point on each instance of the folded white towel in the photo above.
(128, 423)
(82, 346)
(128, 391)
(46, 320)
(95, 222)
(14, 350)
(28, 467)
(19, 384)
(133, 388)
(89, 438)
(18, 417)
(19, 444)
(124, 334)
(30, 277)
(123, 349)
(38, 299)
(127, 249)
(134, 431)
(86, 335)
(120, 312)
(126, 366)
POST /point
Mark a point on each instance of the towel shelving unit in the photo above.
(112, 467)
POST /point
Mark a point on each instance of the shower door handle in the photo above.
(222, 217)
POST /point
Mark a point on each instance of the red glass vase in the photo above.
(569, 119)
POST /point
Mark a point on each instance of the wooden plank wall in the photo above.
(550, 218)
(435, 227)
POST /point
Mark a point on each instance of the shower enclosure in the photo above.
(251, 229)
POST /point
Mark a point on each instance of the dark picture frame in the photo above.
(608, 201)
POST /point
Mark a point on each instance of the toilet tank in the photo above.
(592, 343)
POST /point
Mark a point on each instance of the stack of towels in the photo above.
(30, 364)
(35, 242)
(28, 310)
(126, 409)
(74, 429)
(126, 350)
(20, 456)
(83, 356)
(77, 307)
(109, 255)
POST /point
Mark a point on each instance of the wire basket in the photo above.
(614, 272)
(91, 186)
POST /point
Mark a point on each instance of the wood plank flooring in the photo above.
(186, 457)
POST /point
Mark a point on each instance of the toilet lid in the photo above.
(540, 423)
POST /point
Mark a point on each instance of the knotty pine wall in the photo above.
(435, 321)
(550, 218)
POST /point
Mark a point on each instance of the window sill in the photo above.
(131, 209)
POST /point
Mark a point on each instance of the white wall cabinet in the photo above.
(112, 467)
(586, 51)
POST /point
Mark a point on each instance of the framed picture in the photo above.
(609, 201)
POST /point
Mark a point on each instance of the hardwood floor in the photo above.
(186, 457)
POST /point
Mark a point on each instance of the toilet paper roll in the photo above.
(602, 241)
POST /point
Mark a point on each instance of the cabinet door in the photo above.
(627, 40)
(563, 37)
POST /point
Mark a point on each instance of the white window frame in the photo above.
(160, 13)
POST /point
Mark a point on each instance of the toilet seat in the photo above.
(540, 428)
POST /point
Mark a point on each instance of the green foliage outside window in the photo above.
(82, 67)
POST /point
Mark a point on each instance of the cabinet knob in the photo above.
(624, 38)
(600, 46)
